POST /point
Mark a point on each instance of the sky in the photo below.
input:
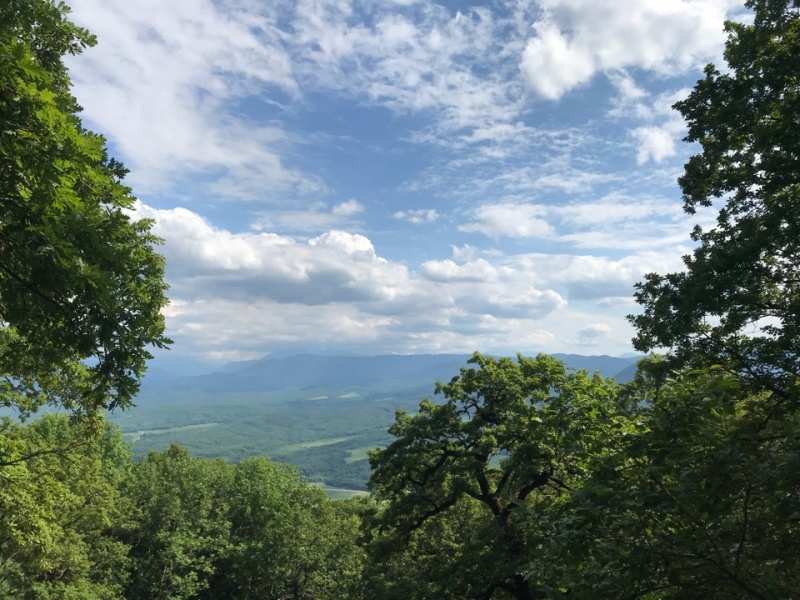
(402, 176)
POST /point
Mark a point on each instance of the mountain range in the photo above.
(392, 372)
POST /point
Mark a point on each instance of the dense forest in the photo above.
(520, 479)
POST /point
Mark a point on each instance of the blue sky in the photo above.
(402, 176)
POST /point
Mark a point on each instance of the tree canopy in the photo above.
(738, 301)
(509, 435)
(81, 285)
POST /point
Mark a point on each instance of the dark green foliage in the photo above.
(181, 507)
(79, 519)
(738, 302)
(698, 498)
(288, 541)
(511, 437)
(78, 279)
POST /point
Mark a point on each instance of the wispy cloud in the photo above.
(417, 216)
(613, 221)
(316, 217)
(165, 84)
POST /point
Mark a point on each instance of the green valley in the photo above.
(324, 431)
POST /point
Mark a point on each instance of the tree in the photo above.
(60, 507)
(511, 439)
(287, 539)
(698, 498)
(210, 530)
(181, 506)
(738, 301)
(80, 282)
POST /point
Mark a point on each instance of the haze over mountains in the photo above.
(392, 372)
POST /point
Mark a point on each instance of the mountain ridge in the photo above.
(315, 371)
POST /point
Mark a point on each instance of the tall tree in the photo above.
(80, 282)
(511, 439)
(738, 301)
(698, 497)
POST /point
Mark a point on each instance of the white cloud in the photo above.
(347, 209)
(452, 67)
(553, 64)
(351, 244)
(614, 221)
(510, 220)
(336, 278)
(163, 84)
(257, 291)
(316, 217)
(615, 208)
(654, 143)
(594, 331)
(586, 277)
(575, 39)
(418, 216)
(465, 253)
(629, 91)
(447, 270)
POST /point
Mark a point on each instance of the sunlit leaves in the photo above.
(79, 281)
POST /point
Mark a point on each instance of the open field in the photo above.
(342, 494)
(320, 414)
(357, 454)
(134, 437)
(314, 444)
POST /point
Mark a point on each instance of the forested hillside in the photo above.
(519, 479)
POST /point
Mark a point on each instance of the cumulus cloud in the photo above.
(576, 39)
(447, 270)
(336, 281)
(654, 143)
(585, 277)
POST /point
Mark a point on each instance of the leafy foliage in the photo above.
(738, 302)
(181, 507)
(510, 435)
(59, 499)
(209, 529)
(699, 498)
(78, 279)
